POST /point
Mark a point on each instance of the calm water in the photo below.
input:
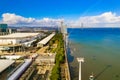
(101, 50)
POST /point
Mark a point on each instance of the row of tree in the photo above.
(60, 57)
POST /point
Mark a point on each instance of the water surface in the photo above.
(101, 49)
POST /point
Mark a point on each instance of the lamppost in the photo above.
(80, 60)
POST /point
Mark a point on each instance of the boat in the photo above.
(91, 77)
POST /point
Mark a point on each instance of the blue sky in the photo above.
(58, 8)
(67, 9)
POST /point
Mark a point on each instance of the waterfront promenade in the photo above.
(67, 70)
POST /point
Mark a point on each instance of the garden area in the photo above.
(60, 56)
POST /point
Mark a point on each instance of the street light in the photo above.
(80, 60)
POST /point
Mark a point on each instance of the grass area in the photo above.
(60, 56)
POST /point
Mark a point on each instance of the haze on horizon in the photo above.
(92, 13)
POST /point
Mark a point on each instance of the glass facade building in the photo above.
(3, 27)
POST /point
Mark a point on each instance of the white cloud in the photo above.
(107, 19)
(13, 19)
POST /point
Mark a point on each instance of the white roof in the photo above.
(20, 70)
(5, 64)
(45, 40)
(28, 44)
(19, 35)
(11, 56)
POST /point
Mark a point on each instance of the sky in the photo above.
(73, 12)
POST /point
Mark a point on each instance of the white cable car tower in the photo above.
(80, 60)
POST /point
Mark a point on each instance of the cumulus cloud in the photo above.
(107, 19)
(13, 19)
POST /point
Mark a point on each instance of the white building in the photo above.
(4, 64)
(17, 38)
(45, 40)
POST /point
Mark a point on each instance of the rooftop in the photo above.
(46, 58)
(18, 35)
(5, 64)
(45, 40)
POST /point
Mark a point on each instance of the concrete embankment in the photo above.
(66, 60)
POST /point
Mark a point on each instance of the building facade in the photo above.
(18, 38)
(3, 27)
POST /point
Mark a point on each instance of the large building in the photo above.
(45, 40)
(3, 27)
(17, 38)
(4, 64)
